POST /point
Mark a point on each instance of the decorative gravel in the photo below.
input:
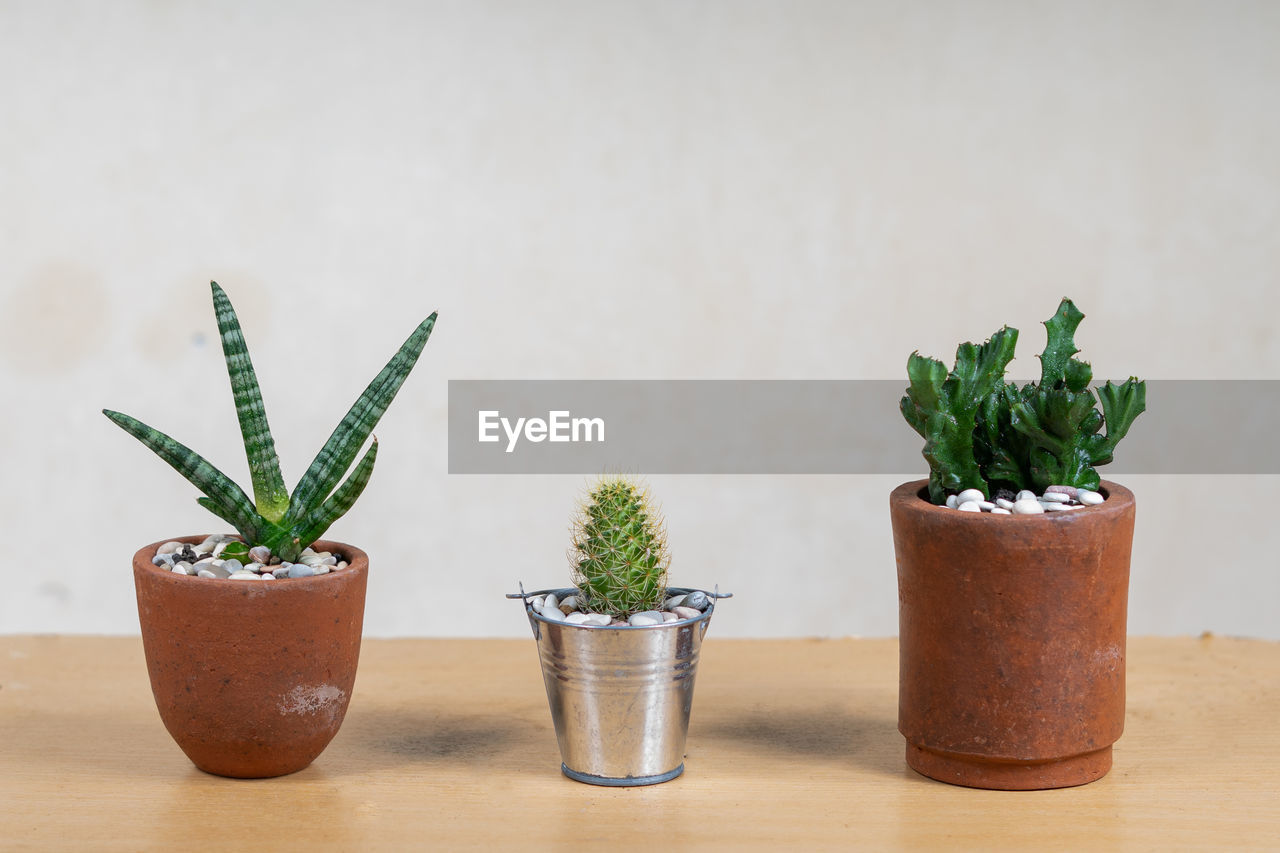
(1025, 502)
(205, 561)
(677, 608)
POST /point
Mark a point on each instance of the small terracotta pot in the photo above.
(252, 678)
(1011, 668)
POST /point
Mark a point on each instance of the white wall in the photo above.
(610, 189)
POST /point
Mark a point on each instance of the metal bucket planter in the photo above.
(1012, 640)
(620, 697)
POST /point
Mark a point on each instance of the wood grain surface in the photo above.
(448, 745)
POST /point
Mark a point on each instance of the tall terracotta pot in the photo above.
(1011, 668)
(252, 678)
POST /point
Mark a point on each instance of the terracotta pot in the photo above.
(252, 678)
(1012, 640)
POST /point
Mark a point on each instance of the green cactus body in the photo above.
(619, 553)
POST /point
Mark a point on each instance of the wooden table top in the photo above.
(448, 745)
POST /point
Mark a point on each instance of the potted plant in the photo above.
(252, 640)
(620, 648)
(1013, 567)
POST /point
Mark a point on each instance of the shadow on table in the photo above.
(396, 738)
(838, 735)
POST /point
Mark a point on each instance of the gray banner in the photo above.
(808, 427)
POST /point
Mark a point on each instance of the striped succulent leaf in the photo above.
(319, 519)
(283, 524)
(349, 436)
(269, 492)
(232, 504)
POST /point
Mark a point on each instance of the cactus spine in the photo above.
(619, 554)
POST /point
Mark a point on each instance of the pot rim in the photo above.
(706, 614)
(912, 496)
(357, 560)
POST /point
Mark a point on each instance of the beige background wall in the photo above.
(608, 189)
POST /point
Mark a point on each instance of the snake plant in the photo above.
(984, 433)
(282, 522)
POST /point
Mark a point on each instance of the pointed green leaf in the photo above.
(269, 492)
(318, 521)
(216, 509)
(340, 450)
(221, 490)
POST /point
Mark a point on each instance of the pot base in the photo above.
(976, 772)
(621, 781)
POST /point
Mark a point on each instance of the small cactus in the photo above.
(619, 555)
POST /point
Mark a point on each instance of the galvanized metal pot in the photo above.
(1012, 632)
(620, 697)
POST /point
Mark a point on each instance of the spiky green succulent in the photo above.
(283, 522)
(619, 555)
(984, 433)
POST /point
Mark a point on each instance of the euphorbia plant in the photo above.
(984, 433)
(283, 522)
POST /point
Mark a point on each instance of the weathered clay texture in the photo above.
(252, 678)
(1012, 632)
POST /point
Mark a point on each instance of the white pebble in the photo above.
(1025, 495)
(970, 495)
(342, 564)
(320, 570)
(1089, 497)
(986, 506)
(550, 602)
(1001, 511)
(576, 618)
(642, 619)
(179, 570)
(600, 619)
(952, 502)
(267, 576)
(241, 576)
(184, 566)
(686, 612)
(1002, 503)
(205, 573)
(969, 506)
(569, 604)
(670, 617)
(551, 614)
(1027, 506)
(534, 601)
(1056, 498)
(169, 548)
(1061, 507)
